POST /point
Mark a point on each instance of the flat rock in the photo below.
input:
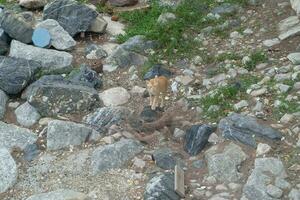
(94, 51)
(242, 128)
(225, 8)
(51, 60)
(53, 95)
(114, 28)
(105, 117)
(32, 4)
(288, 23)
(165, 158)
(99, 25)
(196, 138)
(15, 27)
(73, 16)
(224, 166)
(60, 39)
(16, 74)
(122, 2)
(8, 170)
(3, 101)
(161, 187)
(164, 18)
(114, 155)
(290, 32)
(27, 115)
(265, 170)
(115, 96)
(61, 194)
(62, 134)
(294, 58)
(271, 42)
(296, 5)
(14, 136)
(262, 149)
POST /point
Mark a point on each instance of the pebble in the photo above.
(262, 149)
(287, 118)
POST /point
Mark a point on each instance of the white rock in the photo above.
(98, 25)
(262, 149)
(115, 96)
(178, 133)
(27, 115)
(114, 28)
(296, 5)
(185, 80)
(271, 42)
(287, 118)
(240, 105)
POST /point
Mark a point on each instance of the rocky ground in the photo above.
(75, 121)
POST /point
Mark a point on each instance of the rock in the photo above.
(294, 58)
(288, 23)
(282, 184)
(32, 4)
(13, 136)
(60, 39)
(165, 18)
(122, 2)
(240, 105)
(184, 80)
(61, 194)
(165, 158)
(196, 138)
(51, 60)
(224, 166)
(149, 115)
(157, 70)
(16, 74)
(15, 27)
(141, 91)
(296, 5)
(287, 118)
(73, 16)
(294, 31)
(41, 37)
(62, 134)
(4, 42)
(294, 194)
(98, 25)
(115, 96)
(242, 128)
(274, 191)
(262, 149)
(8, 170)
(27, 115)
(3, 101)
(161, 187)
(258, 92)
(265, 170)
(225, 8)
(282, 87)
(114, 28)
(178, 133)
(53, 95)
(271, 42)
(234, 186)
(94, 51)
(105, 117)
(114, 155)
(86, 77)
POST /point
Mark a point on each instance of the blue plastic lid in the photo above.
(41, 37)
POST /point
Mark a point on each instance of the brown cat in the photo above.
(157, 88)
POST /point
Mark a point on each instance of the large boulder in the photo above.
(13, 136)
(51, 60)
(8, 170)
(114, 155)
(61, 194)
(161, 187)
(60, 39)
(73, 16)
(15, 26)
(53, 95)
(62, 134)
(3, 101)
(16, 74)
(224, 166)
(243, 128)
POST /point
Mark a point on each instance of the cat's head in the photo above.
(151, 84)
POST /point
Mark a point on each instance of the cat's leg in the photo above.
(154, 103)
(163, 95)
(151, 99)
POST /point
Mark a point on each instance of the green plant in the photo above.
(255, 58)
(286, 107)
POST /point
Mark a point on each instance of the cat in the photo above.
(157, 88)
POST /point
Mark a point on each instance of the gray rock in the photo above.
(115, 96)
(62, 134)
(94, 51)
(53, 95)
(226, 8)
(271, 42)
(161, 187)
(33, 4)
(294, 58)
(16, 74)
(149, 115)
(105, 117)
(99, 25)
(4, 42)
(122, 2)
(73, 16)
(27, 115)
(242, 128)
(15, 27)
(60, 39)
(14, 136)
(282, 77)
(274, 191)
(224, 166)
(282, 87)
(114, 28)
(114, 155)
(294, 194)
(240, 105)
(294, 31)
(3, 101)
(61, 194)
(51, 60)
(8, 170)
(165, 18)
(296, 5)
(288, 23)
(282, 184)
(165, 158)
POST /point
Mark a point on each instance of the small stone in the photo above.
(185, 80)
(248, 31)
(3, 101)
(32, 4)
(108, 139)
(294, 58)
(138, 90)
(41, 37)
(282, 87)
(178, 133)
(258, 107)
(240, 105)
(287, 118)
(274, 191)
(198, 164)
(221, 187)
(139, 163)
(262, 149)
(27, 115)
(258, 92)
(165, 18)
(282, 184)
(115, 96)
(122, 2)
